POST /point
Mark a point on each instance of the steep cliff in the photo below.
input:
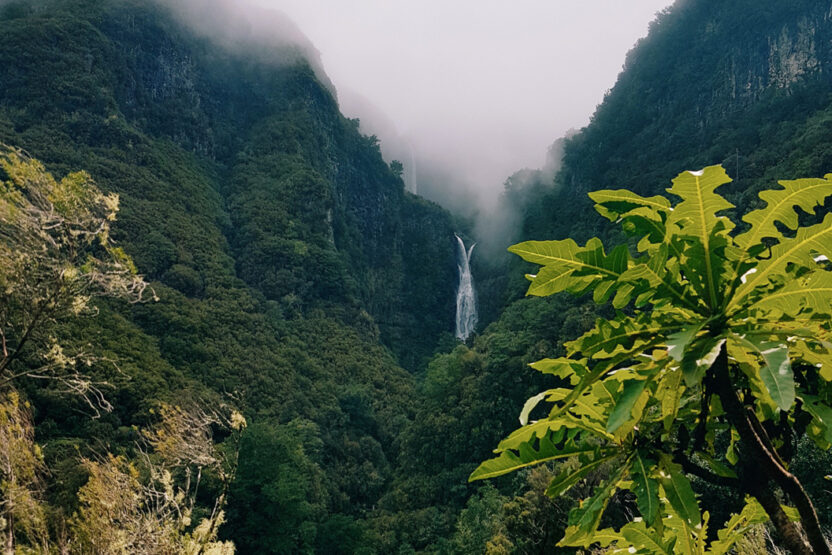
(306, 204)
(293, 269)
(740, 83)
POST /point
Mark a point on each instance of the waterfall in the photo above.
(466, 300)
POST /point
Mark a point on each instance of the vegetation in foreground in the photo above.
(717, 358)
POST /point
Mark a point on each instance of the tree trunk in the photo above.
(764, 457)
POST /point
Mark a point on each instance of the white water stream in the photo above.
(466, 299)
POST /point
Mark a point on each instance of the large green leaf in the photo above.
(781, 208)
(669, 392)
(624, 404)
(776, 370)
(660, 284)
(679, 492)
(699, 357)
(527, 455)
(781, 205)
(617, 202)
(677, 343)
(810, 293)
(638, 216)
(590, 381)
(566, 368)
(570, 267)
(801, 249)
(645, 487)
(620, 336)
(706, 266)
(531, 432)
(645, 540)
(696, 218)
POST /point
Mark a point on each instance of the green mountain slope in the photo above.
(289, 260)
(745, 84)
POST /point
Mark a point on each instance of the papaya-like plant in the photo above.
(718, 355)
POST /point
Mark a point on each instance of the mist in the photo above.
(264, 33)
(464, 94)
(481, 87)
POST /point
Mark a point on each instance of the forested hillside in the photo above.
(288, 260)
(743, 84)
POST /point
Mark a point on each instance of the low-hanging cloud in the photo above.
(240, 26)
(464, 93)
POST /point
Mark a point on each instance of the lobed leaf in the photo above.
(679, 492)
(526, 455)
(696, 218)
(801, 249)
(617, 202)
(645, 540)
(620, 336)
(565, 368)
(781, 204)
(570, 267)
(622, 411)
(776, 372)
(810, 293)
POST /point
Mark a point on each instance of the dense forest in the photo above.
(270, 364)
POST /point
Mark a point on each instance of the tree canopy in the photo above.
(56, 255)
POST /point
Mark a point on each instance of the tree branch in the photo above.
(768, 461)
(703, 473)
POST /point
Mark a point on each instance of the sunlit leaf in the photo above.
(621, 413)
(679, 492)
(696, 217)
(776, 372)
(645, 487)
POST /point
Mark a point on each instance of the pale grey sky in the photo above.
(485, 85)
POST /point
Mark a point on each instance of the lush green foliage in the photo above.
(55, 257)
(635, 385)
(284, 251)
(287, 258)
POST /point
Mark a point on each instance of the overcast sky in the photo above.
(487, 83)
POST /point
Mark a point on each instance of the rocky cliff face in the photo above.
(309, 212)
(737, 83)
(293, 270)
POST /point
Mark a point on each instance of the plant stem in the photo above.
(763, 454)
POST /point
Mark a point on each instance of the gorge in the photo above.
(301, 282)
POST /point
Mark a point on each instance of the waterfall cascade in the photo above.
(466, 299)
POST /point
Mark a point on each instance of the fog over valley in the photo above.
(470, 91)
(370, 277)
(463, 94)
